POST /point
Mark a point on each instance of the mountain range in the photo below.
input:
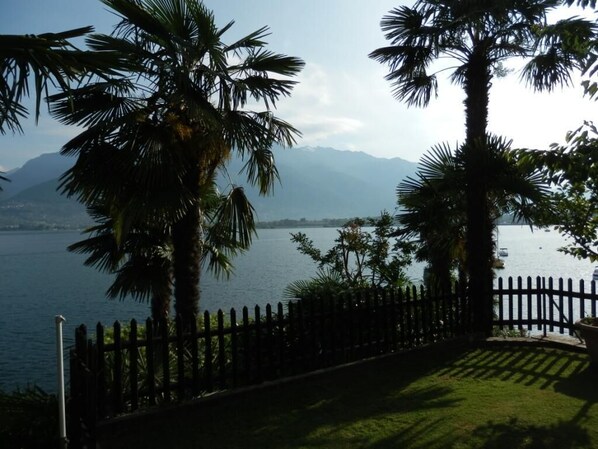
(315, 183)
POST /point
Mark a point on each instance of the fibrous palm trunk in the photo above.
(479, 225)
(187, 254)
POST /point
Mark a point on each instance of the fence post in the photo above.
(234, 347)
(78, 413)
(544, 315)
(501, 306)
(221, 352)
(208, 352)
(134, 371)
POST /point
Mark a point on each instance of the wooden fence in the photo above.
(543, 304)
(126, 368)
(123, 369)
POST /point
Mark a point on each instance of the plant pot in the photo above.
(588, 328)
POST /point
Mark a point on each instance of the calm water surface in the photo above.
(40, 279)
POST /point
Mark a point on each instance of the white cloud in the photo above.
(316, 128)
(316, 107)
(355, 110)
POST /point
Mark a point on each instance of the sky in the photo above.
(342, 99)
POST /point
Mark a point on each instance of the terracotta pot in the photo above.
(589, 333)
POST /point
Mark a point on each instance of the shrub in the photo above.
(28, 419)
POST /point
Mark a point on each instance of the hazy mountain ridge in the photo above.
(47, 167)
(315, 183)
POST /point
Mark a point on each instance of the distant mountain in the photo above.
(41, 207)
(327, 183)
(43, 168)
(315, 183)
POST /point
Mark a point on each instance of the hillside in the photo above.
(315, 183)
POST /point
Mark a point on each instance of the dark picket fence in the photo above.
(543, 304)
(121, 370)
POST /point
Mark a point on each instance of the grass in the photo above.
(458, 398)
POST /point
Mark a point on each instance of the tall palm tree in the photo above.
(174, 121)
(478, 36)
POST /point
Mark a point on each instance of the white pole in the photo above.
(59, 319)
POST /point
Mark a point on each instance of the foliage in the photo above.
(510, 333)
(28, 419)
(487, 32)
(142, 259)
(433, 209)
(478, 37)
(359, 258)
(324, 283)
(589, 320)
(51, 60)
(573, 169)
(158, 362)
(156, 137)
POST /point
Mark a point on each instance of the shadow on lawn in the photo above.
(312, 412)
(364, 406)
(514, 435)
(527, 365)
(511, 435)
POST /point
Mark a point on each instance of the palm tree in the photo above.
(478, 36)
(141, 263)
(142, 260)
(434, 210)
(173, 123)
(433, 213)
(51, 59)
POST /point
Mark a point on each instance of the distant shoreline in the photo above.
(275, 224)
(286, 223)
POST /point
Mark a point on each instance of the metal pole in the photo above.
(59, 319)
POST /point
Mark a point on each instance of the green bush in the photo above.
(28, 419)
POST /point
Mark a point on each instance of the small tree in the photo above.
(358, 259)
(573, 169)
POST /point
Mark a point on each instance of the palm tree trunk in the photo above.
(187, 255)
(161, 300)
(479, 226)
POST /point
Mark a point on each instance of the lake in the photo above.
(40, 279)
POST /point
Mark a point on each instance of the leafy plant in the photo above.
(573, 169)
(359, 258)
(158, 361)
(28, 419)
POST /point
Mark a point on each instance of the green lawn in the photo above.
(458, 398)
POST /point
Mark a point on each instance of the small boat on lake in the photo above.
(503, 252)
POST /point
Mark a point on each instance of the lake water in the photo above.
(40, 279)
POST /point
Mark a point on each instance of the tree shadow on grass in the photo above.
(515, 435)
(509, 435)
(378, 405)
(582, 384)
(311, 412)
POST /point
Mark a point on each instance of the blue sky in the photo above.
(342, 100)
